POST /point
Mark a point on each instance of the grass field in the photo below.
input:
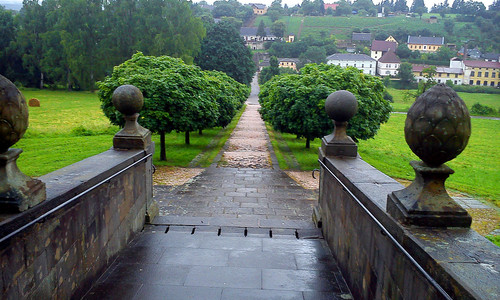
(491, 100)
(476, 169)
(70, 126)
(341, 27)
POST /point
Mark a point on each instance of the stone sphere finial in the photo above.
(13, 114)
(128, 99)
(437, 127)
(341, 106)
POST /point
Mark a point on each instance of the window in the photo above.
(471, 82)
(456, 75)
(455, 82)
(387, 72)
(472, 73)
(492, 84)
(419, 47)
(493, 74)
(479, 74)
(478, 82)
(425, 47)
(420, 73)
(439, 74)
(486, 74)
(370, 65)
(485, 83)
(363, 65)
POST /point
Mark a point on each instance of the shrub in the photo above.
(478, 109)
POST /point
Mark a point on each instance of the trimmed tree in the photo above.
(224, 50)
(177, 96)
(296, 103)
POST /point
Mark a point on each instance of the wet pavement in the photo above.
(241, 229)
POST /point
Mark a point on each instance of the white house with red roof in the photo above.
(380, 48)
(388, 64)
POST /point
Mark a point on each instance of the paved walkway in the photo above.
(241, 229)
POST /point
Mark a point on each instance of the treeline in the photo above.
(74, 43)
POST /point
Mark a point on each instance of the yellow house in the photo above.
(485, 73)
(391, 39)
(259, 9)
(288, 63)
(425, 43)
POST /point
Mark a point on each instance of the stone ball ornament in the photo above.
(128, 99)
(341, 106)
(13, 114)
(437, 126)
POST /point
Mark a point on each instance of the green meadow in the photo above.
(476, 169)
(342, 27)
(401, 104)
(70, 126)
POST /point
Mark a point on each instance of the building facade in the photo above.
(425, 43)
(478, 72)
(259, 8)
(380, 48)
(388, 64)
(252, 40)
(361, 61)
(288, 63)
(443, 74)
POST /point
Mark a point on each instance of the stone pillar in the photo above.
(18, 192)
(437, 129)
(340, 106)
(128, 100)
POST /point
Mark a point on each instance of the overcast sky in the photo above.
(428, 3)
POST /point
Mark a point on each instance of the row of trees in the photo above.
(177, 96)
(295, 103)
(76, 42)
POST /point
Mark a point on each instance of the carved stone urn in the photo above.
(128, 100)
(340, 106)
(437, 129)
(18, 192)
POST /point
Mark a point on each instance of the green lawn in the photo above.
(476, 169)
(491, 100)
(70, 126)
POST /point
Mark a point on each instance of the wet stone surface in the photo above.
(240, 229)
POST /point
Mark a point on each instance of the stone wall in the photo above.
(463, 263)
(60, 256)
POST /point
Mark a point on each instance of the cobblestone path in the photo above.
(240, 230)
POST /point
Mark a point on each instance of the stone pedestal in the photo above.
(425, 201)
(133, 135)
(339, 143)
(18, 192)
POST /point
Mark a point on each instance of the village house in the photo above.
(360, 61)
(288, 63)
(361, 37)
(380, 48)
(333, 6)
(443, 74)
(425, 43)
(258, 8)
(478, 72)
(388, 64)
(392, 39)
(252, 40)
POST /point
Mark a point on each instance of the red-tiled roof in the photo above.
(389, 57)
(383, 45)
(331, 5)
(482, 64)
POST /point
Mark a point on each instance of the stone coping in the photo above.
(67, 182)
(452, 256)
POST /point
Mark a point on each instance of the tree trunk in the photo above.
(308, 143)
(200, 132)
(41, 80)
(186, 139)
(68, 79)
(163, 153)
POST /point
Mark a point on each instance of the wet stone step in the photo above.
(211, 262)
